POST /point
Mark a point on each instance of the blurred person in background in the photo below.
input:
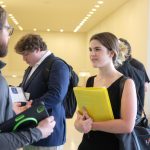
(134, 62)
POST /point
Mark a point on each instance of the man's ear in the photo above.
(37, 50)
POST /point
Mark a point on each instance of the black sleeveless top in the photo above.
(98, 140)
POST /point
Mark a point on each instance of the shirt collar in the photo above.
(47, 53)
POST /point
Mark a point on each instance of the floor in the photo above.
(73, 136)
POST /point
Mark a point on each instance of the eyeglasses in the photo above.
(10, 29)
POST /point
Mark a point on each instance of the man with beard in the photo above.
(14, 140)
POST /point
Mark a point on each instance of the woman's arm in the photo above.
(128, 113)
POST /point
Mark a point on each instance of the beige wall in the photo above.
(130, 22)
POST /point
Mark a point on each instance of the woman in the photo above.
(101, 135)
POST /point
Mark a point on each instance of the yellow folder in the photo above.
(96, 101)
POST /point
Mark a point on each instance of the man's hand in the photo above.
(46, 126)
(17, 108)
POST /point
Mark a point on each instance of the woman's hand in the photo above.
(85, 113)
(83, 123)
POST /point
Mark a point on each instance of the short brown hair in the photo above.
(109, 40)
(30, 43)
(3, 16)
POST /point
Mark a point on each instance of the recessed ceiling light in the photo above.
(81, 23)
(91, 12)
(61, 30)
(97, 6)
(10, 15)
(20, 28)
(93, 9)
(100, 2)
(3, 6)
(48, 30)
(1, 2)
(35, 29)
(87, 16)
(14, 19)
(14, 75)
(16, 22)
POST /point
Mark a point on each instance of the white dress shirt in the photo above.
(46, 54)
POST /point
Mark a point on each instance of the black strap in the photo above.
(121, 91)
(49, 64)
(90, 81)
(122, 82)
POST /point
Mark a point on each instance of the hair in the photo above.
(3, 16)
(128, 46)
(30, 43)
(108, 40)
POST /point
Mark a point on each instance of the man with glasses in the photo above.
(14, 140)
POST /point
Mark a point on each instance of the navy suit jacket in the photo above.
(52, 94)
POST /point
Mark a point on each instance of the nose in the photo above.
(92, 52)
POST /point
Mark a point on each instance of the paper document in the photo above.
(96, 101)
(17, 94)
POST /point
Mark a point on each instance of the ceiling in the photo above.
(58, 14)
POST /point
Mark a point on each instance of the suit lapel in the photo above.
(27, 71)
(38, 69)
(29, 81)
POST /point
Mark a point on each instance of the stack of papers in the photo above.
(17, 94)
(96, 101)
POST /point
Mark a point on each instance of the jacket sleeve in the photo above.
(14, 140)
(57, 85)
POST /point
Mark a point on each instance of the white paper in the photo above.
(17, 94)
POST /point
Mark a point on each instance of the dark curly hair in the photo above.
(30, 43)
